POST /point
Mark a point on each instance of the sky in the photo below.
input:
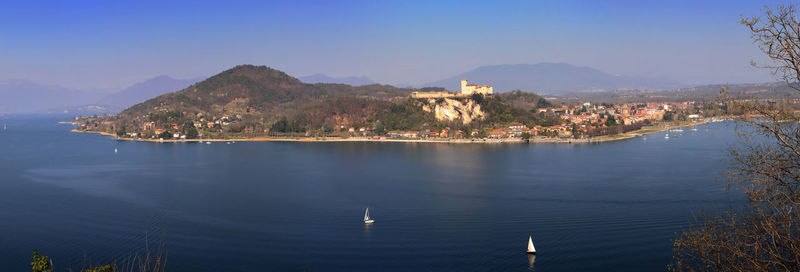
(114, 44)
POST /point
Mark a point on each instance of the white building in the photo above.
(469, 89)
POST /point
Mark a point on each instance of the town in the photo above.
(565, 122)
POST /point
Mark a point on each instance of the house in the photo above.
(516, 127)
(498, 133)
(411, 134)
(159, 131)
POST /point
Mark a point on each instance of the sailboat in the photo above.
(367, 219)
(531, 249)
(115, 150)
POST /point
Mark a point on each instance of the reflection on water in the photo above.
(531, 259)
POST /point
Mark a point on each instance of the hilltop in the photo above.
(248, 101)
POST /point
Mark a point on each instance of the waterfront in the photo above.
(295, 206)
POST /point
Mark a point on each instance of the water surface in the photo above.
(299, 206)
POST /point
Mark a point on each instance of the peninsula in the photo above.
(258, 103)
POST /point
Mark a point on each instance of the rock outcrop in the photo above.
(448, 109)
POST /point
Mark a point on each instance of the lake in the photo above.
(299, 206)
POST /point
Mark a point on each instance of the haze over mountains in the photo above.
(321, 78)
(551, 78)
(24, 97)
(19, 96)
(142, 91)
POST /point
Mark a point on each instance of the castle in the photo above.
(466, 90)
(469, 89)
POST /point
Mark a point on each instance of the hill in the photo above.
(551, 78)
(320, 78)
(142, 91)
(248, 101)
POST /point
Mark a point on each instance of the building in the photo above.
(469, 89)
(466, 90)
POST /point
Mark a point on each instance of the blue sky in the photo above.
(112, 44)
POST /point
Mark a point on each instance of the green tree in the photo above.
(189, 130)
(610, 121)
(41, 263)
(121, 132)
(526, 136)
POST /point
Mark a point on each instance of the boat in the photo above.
(666, 136)
(115, 150)
(208, 142)
(367, 219)
(694, 129)
(676, 130)
(531, 249)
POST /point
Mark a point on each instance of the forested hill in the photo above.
(252, 100)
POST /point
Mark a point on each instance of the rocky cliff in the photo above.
(451, 110)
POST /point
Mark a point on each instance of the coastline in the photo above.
(600, 139)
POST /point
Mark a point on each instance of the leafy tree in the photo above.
(668, 116)
(165, 135)
(41, 263)
(477, 97)
(610, 121)
(189, 130)
(121, 132)
(526, 136)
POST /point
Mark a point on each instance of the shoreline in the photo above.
(601, 139)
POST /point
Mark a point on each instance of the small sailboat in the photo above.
(115, 151)
(367, 219)
(666, 136)
(531, 249)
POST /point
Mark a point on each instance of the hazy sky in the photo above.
(112, 44)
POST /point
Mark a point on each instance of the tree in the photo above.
(41, 263)
(610, 121)
(189, 130)
(763, 234)
(526, 136)
(121, 132)
(668, 116)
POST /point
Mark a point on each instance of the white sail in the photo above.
(367, 219)
(531, 249)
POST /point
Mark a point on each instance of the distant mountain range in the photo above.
(21, 96)
(143, 91)
(551, 78)
(320, 78)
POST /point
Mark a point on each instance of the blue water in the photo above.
(299, 206)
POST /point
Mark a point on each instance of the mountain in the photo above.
(320, 78)
(142, 91)
(550, 78)
(20, 96)
(253, 101)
